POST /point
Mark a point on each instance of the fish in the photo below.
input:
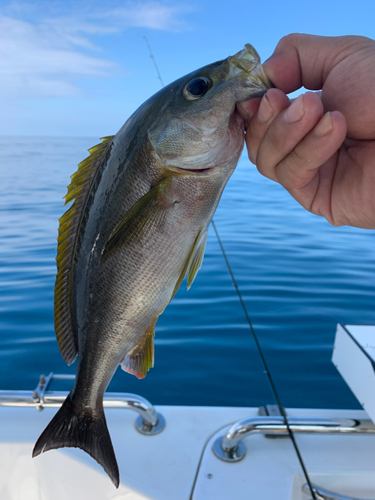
(142, 204)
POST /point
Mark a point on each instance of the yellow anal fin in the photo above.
(78, 190)
(140, 359)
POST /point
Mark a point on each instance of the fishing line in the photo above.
(268, 373)
(281, 408)
(153, 60)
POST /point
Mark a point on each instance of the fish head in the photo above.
(198, 127)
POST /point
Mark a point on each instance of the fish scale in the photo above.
(143, 201)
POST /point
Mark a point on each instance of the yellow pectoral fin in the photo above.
(145, 211)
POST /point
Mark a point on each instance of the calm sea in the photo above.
(298, 275)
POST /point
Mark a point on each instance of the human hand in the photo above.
(320, 148)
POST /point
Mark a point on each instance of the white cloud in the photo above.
(151, 15)
(45, 57)
(43, 60)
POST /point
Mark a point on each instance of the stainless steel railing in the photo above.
(230, 447)
(149, 421)
(323, 494)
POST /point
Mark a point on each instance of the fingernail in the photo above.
(295, 111)
(325, 126)
(265, 111)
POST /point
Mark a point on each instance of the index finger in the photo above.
(306, 60)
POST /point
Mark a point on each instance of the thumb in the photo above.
(306, 60)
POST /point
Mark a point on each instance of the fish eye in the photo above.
(196, 88)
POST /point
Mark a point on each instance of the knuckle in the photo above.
(252, 148)
(265, 165)
(254, 132)
(252, 144)
(298, 158)
(254, 138)
(252, 155)
(290, 40)
(262, 170)
(335, 223)
(274, 137)
(292, 170)
(322, 210)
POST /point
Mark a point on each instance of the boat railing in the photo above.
(149, 421)
(229, 446)
(323, 494)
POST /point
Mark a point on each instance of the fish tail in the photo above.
(87, 430)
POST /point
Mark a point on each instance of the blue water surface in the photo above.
(299, 277)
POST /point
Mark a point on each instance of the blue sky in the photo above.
(80, 68)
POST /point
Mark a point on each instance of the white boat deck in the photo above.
(270, 469)
(170, 465)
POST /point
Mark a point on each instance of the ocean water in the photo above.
(298, 275)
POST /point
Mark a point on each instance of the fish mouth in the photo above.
(191, 171)
(202, 171)
(246, 65)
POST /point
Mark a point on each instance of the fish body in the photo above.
(143, 202)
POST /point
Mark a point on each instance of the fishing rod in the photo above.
(153, 60)
(257, 343)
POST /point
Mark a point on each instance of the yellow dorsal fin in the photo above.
(69, 227)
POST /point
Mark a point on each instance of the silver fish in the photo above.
(144, 199)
